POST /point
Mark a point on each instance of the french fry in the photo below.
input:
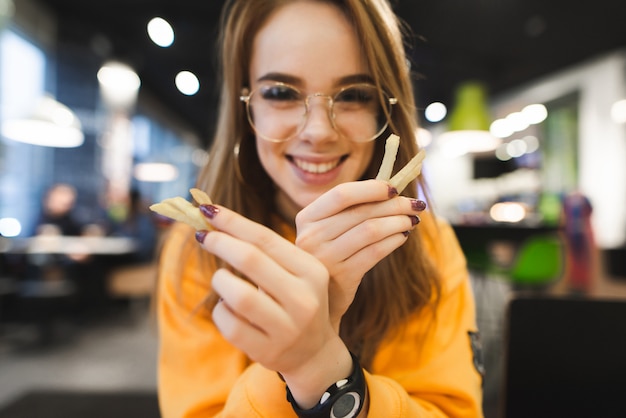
(408, 173)
(391, 150)
(200, 197)
(179, 209)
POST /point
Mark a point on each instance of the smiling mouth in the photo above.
(316, 168)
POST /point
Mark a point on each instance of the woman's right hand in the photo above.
(279, 315)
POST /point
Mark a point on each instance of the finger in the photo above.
(238, 331)
(287, 255)
(344, 196)
(258, 266)
(365, 259)
(249, 303)
(333, 227)
(366, 234)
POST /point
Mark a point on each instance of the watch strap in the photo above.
(343, 399)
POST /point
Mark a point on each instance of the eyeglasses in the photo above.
(278, 112)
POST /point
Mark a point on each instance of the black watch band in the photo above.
(344, 399)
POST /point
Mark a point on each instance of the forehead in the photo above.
(311, 41)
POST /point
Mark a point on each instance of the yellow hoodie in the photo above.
(430, 370)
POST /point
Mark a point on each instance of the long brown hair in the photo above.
(403, 282)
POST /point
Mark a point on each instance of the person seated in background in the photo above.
(59, 267)
(57, 214)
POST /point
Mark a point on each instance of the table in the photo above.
(58, 244)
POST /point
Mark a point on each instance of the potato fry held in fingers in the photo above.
(407, 174)
(182, 210)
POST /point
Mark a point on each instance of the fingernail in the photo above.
(415, 219)
(209, 211)
(406, 233)
(418, 205)
(201, 235)
(392, 191)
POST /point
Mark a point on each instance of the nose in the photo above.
(319, 124)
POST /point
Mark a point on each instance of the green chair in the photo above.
(539, 263)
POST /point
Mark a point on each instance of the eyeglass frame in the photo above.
(246, 93)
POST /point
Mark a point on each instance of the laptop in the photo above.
(565, 357)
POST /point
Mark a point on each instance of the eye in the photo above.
(280, 92)
(356, 95)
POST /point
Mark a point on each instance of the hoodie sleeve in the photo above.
(433, 368)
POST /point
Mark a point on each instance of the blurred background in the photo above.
(109, 106)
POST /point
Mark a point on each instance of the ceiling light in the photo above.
(502, 153)
(517, 121)
(10, 227)
(50, 124)
(532, 143)
(457, 143)
(155, 172)
(618, 111)
(535, 113)
(187, 83)
(516, 148)
(119, 84)
(160, 32)
(435, 112)
(501, 128)
(468, 128)
(512, 212)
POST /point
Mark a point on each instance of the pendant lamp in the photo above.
(49, 123)
(468, 125)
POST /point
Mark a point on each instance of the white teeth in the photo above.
(316, 168)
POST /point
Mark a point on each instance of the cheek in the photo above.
(269, 155)
(365, 153)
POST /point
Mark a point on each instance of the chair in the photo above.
(539, 263)
(134, 281)
(564, 357)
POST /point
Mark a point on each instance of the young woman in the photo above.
(316, 293)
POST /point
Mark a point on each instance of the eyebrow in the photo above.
(289, 79)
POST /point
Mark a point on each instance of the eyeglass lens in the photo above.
(278, 112)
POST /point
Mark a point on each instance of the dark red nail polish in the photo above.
(392, 191)
(415, 220)
(209, 211)
(201, 235)
(418, 205)
(406, 233)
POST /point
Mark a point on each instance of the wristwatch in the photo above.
(343, 399)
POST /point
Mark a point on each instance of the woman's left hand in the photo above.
(350, 229)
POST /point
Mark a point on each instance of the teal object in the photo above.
(540, 261)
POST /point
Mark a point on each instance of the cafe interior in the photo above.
(109, 106)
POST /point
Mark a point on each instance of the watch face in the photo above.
(347, 406)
